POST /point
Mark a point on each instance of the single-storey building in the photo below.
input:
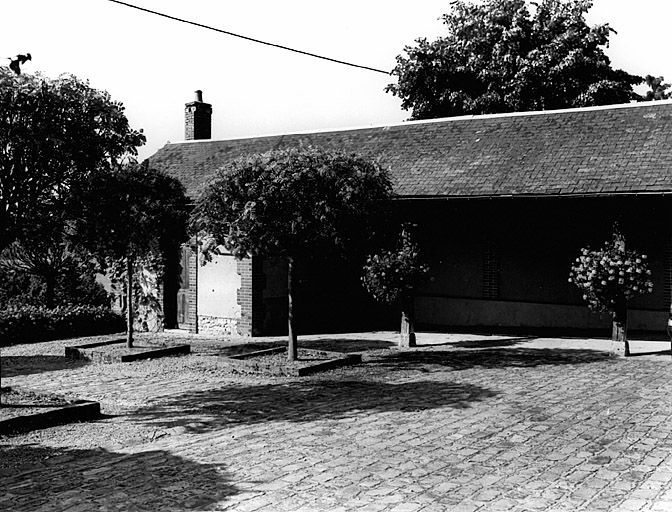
(502, 203)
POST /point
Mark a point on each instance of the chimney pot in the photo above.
(199, 96)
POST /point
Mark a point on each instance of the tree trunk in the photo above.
(49, 292)
(129, 301)
(292, 349)
(619, 325)
(669, 328)
(407, 332)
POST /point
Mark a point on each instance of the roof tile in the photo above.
(593, 151)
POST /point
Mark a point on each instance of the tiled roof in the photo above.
(620, 149)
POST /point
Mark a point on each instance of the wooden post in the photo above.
(292, 350)
(407, 331)
(619, 326)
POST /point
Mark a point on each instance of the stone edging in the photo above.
(89, 353)
(80, 410)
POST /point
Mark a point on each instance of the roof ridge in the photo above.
(530, 113)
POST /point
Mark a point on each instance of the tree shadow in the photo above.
(345, 344)
(489, 343)
(425, 359)
(60, 479)
(329, 344)
(300, 401)
(216, 348)
(12, 366)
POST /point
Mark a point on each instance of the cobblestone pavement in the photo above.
(462, 423)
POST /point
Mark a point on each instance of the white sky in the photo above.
(153, 65)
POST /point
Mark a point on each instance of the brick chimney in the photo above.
(197, 119)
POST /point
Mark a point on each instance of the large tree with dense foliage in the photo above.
(292, 203)
(53, 132)
(133, 214)
(57, 268)
(511, 56)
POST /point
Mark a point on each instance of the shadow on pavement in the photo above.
(327, 343)
(303, 401)
(11, 366)
(61, 479)
(345, 344)
(489, 343)
(424, 359)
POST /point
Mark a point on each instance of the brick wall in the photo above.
(491, 269)
(250, 296)
(192, 319)
(668, 274)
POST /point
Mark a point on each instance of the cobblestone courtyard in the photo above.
(461, 423)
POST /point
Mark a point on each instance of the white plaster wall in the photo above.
(218, 284)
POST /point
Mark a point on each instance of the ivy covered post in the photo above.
(391, 277)
(608, 278)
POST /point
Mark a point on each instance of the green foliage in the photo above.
(132, 211)
(65, 273)
(391, 276)
(497, 56)
(610, 276)
(291, 202)
(53, 134)
(659, 89)
(70, 288)
(29, 324)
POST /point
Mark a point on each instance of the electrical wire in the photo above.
(249, 38)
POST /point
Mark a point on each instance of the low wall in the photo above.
(474, 313)
(218, 325)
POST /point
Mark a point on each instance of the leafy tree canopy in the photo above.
(53, 132)
(508, 56)
(132, 211)
(291, 201)
(658, 90)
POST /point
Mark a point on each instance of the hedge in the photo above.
(31, 324)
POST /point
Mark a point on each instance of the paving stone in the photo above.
(533, 432)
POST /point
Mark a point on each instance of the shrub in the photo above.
(391, 276)
(610, 276)
(31, 324)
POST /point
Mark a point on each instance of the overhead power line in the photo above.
(174, 18)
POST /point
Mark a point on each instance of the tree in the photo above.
(131, 214)
(53, 133)
(608, 278)
(497, 56)
(291, 203)
(391, 277)
(658, 88)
